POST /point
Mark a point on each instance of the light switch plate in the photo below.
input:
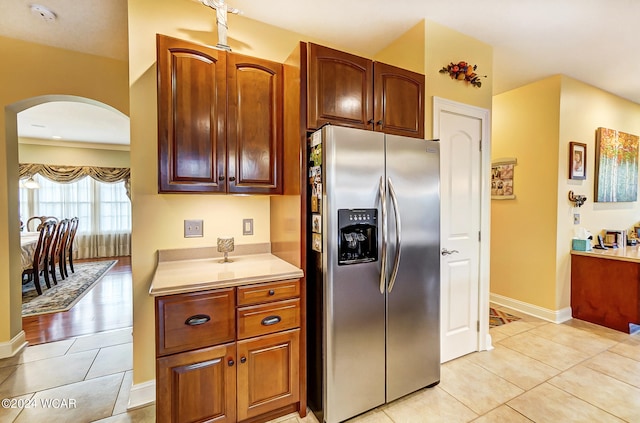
(576, 218)
(247, 226)
(193, 228)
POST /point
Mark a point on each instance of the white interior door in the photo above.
(460, 135)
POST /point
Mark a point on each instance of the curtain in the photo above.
(103, 209)
(66, 174)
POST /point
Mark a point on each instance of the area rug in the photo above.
(499, 318)
(67, 292)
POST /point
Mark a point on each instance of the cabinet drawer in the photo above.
(268, 318)
(269, 291)
(190, 321)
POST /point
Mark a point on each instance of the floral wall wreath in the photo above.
(463, 71)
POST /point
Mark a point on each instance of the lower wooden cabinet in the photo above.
(253, 374)
(197, 386)
(268, 376)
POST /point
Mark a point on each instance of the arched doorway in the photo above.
(14, 299)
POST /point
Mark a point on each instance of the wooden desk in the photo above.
(28, 241)
(605, 287)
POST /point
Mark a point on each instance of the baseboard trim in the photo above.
(13, 347)
(554, 316)
(142, 394)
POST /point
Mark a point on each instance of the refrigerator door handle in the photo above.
(383, 261)
(396, 260)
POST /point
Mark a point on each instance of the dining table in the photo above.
(28, 242)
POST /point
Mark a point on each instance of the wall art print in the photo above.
(502, 179)
(616, 166)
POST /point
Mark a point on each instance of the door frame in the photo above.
(441, 105)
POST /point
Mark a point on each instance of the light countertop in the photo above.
(626, 253)
(179, 276)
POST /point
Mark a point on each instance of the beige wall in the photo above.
(407, 51)
(584, 108)
(30, 75)
(523, 231)
(158, 219)
(72, 154)
(443, 46)
(535, 124)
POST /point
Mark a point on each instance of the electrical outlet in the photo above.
(247, 226)
(193, 228)
(576, 218)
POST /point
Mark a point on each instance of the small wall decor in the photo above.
(577, 160)
(616, 166)
(463, 71)
(502, 179)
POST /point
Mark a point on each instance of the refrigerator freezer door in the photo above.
(354, 319)
(413, 305)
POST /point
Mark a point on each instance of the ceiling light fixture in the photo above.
(43, 12)
(31, 183)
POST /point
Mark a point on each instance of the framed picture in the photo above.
(577, 160)
(502, 179)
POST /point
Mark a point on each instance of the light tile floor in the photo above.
(537, 371)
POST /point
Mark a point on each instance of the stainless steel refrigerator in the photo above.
(374, 270)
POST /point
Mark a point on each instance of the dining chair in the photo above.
(54, 248)
(40, 257)
(73, 224)
(62, 250)
(38, 221)
(33, 223)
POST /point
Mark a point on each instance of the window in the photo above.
(103, 209)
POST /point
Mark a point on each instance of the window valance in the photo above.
(67, 174)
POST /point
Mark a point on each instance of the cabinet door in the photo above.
(254, 125)
(197, 386)
(191, 117)
(340, 89)
(399, 101)
(268, 373)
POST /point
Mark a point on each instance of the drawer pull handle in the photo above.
(271, 320)
(272, 292)
(198, 319)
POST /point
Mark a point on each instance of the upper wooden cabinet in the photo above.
(340, 89)
(348, 90)
(399, 101)
(219, 120)
(191, 117)
(254, 125)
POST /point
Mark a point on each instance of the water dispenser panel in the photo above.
(357, 236)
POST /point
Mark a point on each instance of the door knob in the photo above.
(446, 252)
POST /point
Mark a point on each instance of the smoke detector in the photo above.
(44, 13)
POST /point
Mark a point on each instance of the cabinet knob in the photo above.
(231, 363)
(379, 122)
(221, 178)
(370, 122)
(232, 178)
(243, 359)
(272, 292)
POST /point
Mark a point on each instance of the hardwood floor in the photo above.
(107, 306)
